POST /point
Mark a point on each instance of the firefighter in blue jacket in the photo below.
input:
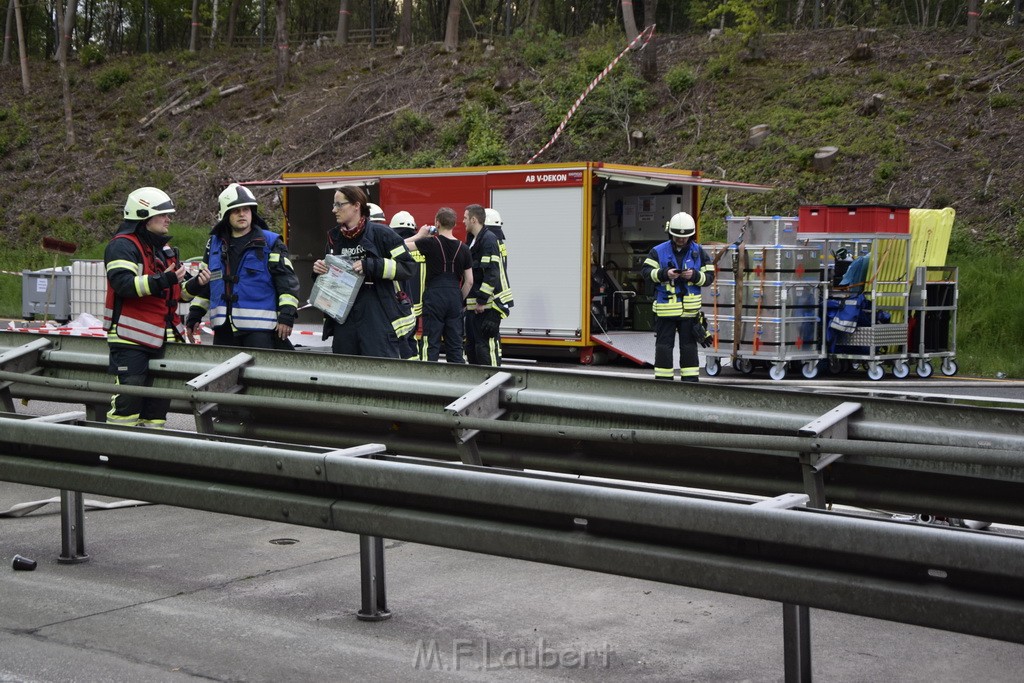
(678, 268)
(144, 276)
(382, 312)
(253, 294)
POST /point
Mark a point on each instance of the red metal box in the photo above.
(855, 218)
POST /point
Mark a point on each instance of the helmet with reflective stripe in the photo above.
(681, 225)
(376, 213)
(492, 218)
(403, 219)
(147, 202)
(234, 196)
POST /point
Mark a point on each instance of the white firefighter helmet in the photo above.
(681, 225)
(147, 202)
(492, 218)
(403, 219)
(376, 213)
(234, 196)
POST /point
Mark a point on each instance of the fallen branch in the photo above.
(152, 116)
(978, 82)
(338, 136)
(222, 92)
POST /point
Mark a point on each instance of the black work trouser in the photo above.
(131, 366)
(665, 332)
(481, 349)
(443, 320)
(367, 331)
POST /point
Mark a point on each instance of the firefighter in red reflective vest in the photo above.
(678, 268)
(144, 276)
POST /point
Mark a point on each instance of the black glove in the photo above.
(193, 319)
(191, 285)
(490, 323)
(168, 279)
(701, 335)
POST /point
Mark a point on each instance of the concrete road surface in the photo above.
(171, 594)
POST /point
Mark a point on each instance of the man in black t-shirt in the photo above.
(449, 277)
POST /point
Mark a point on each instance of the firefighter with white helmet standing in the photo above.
(405, 225)
(678, 267)
(254, 294)
(144, 275)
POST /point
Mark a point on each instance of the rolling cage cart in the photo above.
(875, 332)
(766, 306)
(934, 294)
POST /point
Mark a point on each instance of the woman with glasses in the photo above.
(382, 312)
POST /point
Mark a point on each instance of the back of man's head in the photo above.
(445, 218)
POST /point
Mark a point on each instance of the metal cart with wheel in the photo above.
(934, 295)
(779, 298)
(883, 338)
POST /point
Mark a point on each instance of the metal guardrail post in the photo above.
(223, 378)
(796, 619)
(371, 571)
(482, 401)
(72, 528)
(831, 425)
(796, 628)
(24, 358)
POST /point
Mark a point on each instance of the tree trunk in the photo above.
(649, 55)
(629, 21)
(534, 12)
(341, 37)
(213, 25)
(972, 18)
(7, 33)
(193, 43)
(451, 30)
(405, 26)
(66, 25)
(798, 16)
(232, 19)
(26, 85)
(281, 43)
(1016, 13)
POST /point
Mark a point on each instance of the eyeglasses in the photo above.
(341, 205)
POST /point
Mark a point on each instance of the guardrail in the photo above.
(948, 460)
(953, 579)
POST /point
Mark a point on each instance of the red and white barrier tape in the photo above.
(645, 35)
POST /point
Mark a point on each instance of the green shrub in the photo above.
(680, 79)
(91, 55)
(112, 77)
(540, 48)
(485, 144)
(406, 132)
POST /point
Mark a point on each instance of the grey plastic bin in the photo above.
(46, 294)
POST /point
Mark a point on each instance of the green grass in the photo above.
(990, 316)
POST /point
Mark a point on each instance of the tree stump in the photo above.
(824, 158)
(942, 83)
(861, 53)
(871, 105)
(756, 136)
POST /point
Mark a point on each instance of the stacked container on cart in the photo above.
(882, 233)
(766, 305)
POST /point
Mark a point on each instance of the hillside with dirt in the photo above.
(918, 119)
